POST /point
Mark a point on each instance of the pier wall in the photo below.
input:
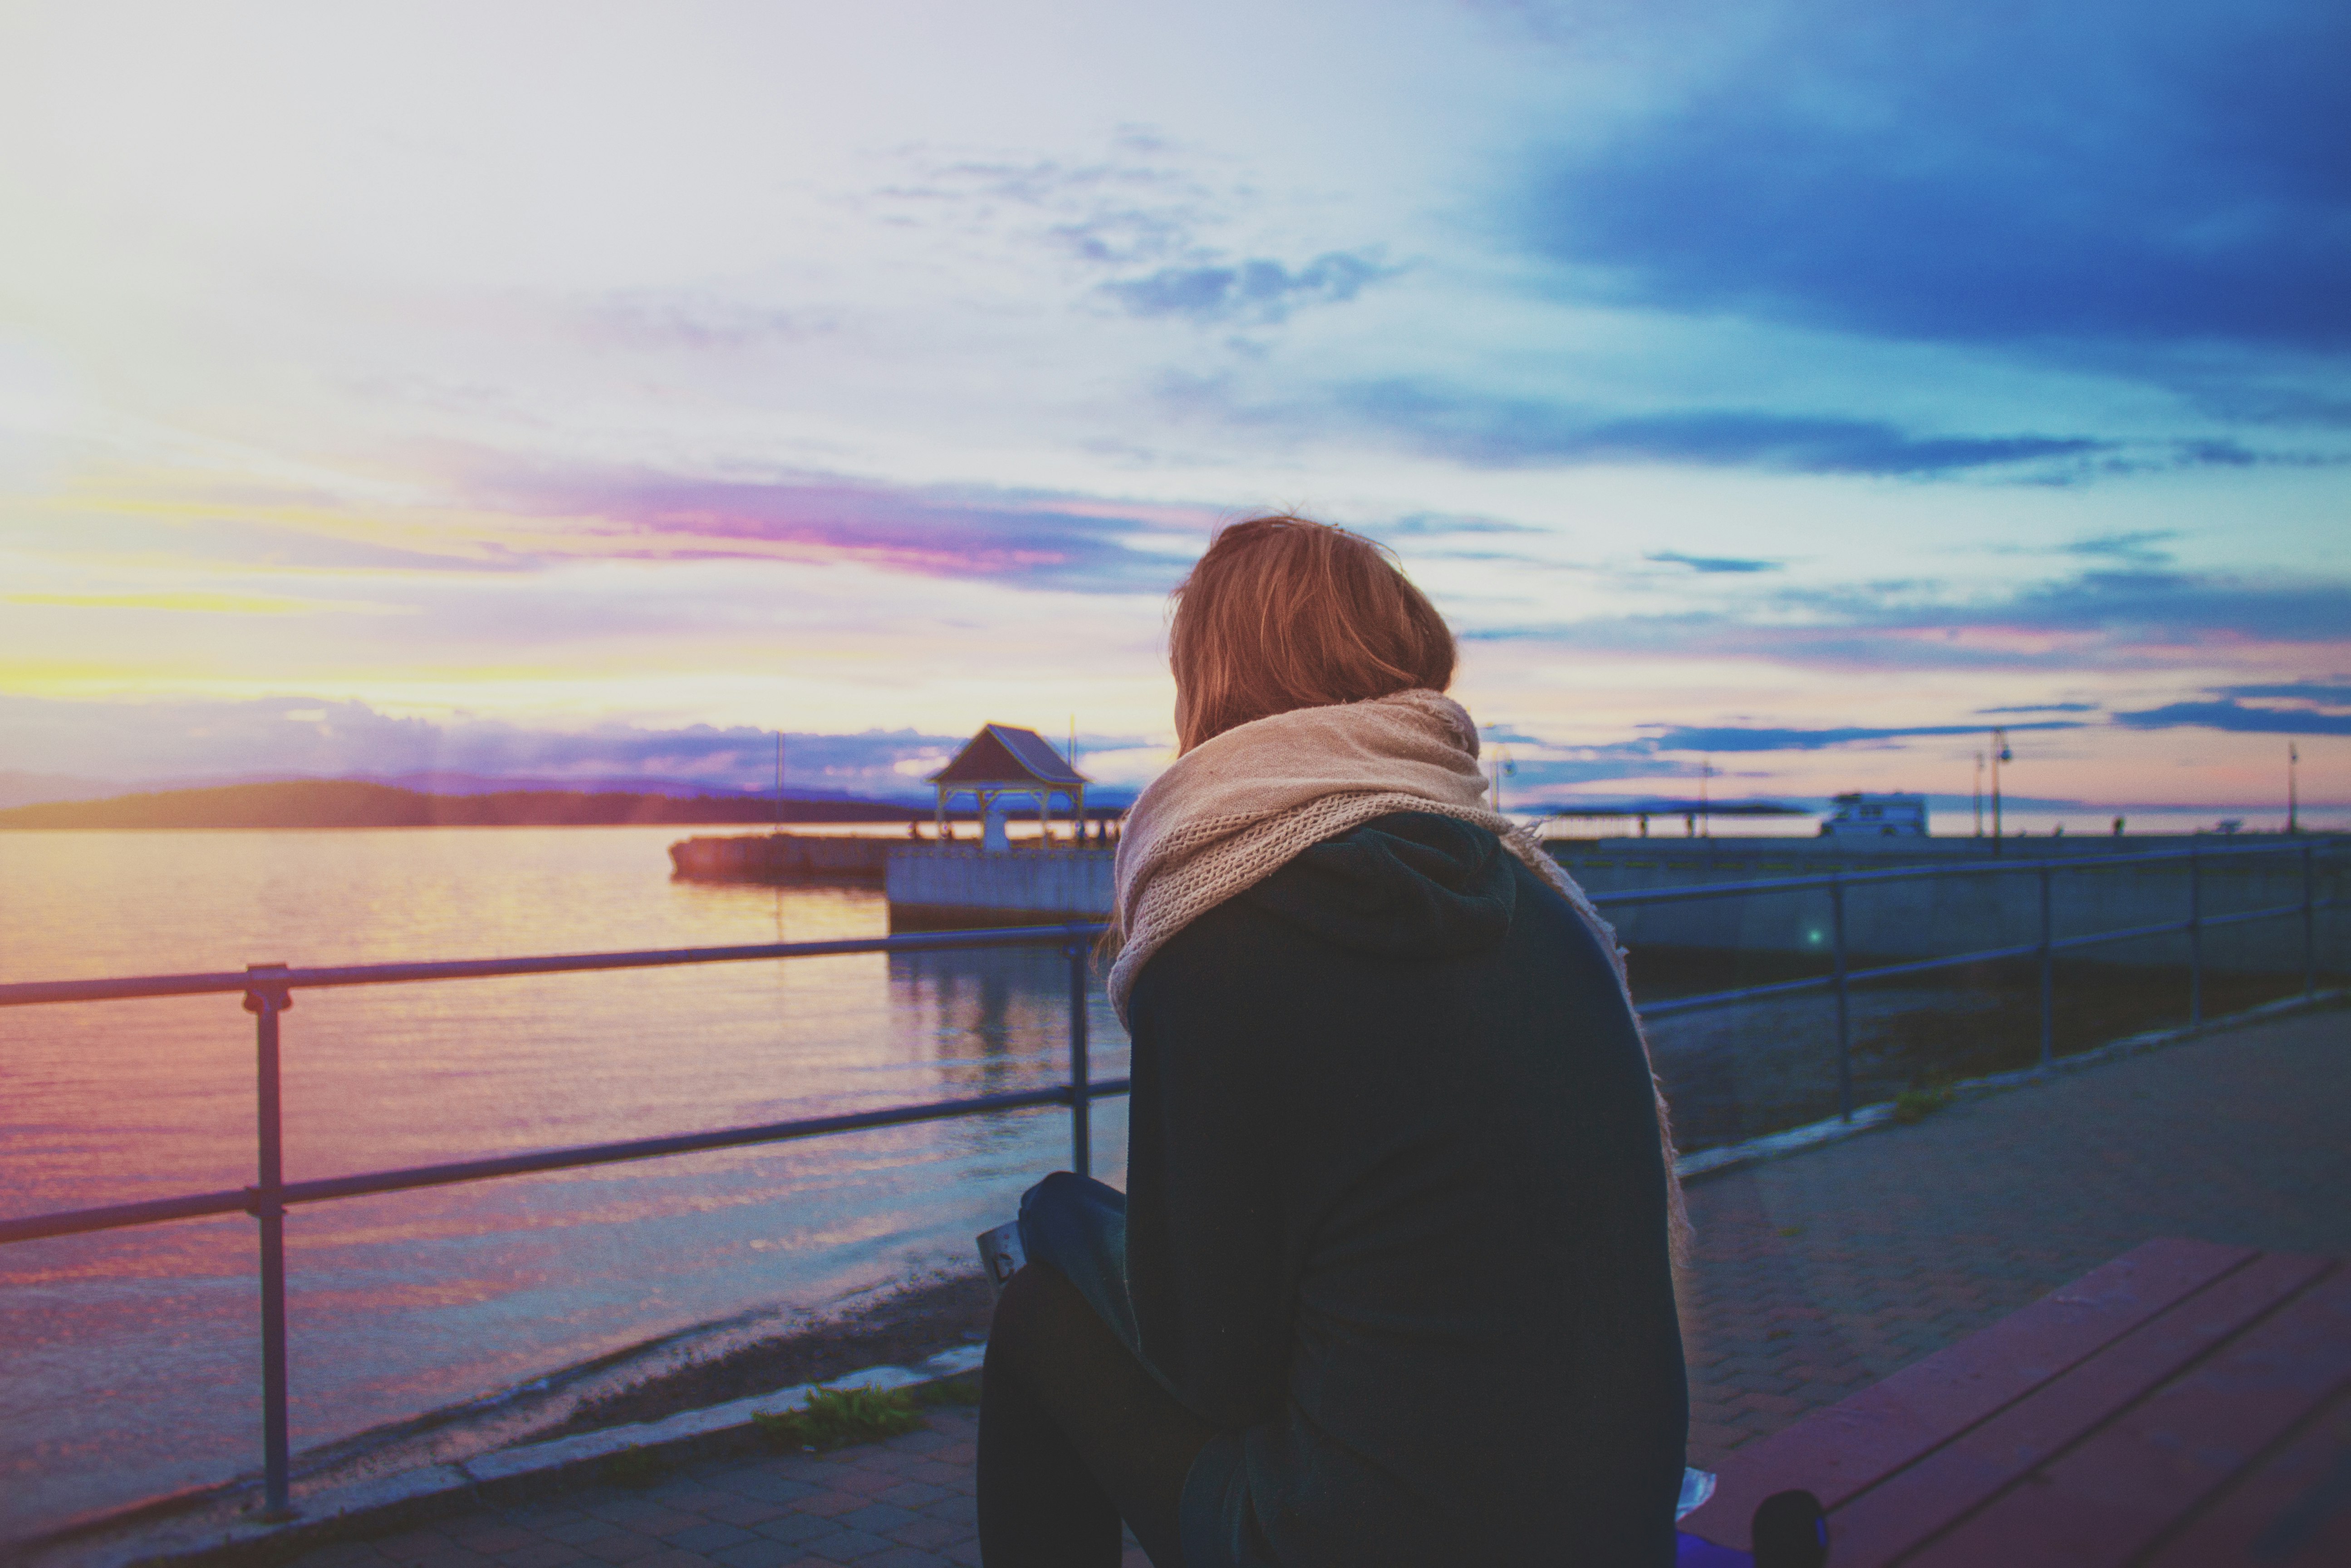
(947, 887)
(1957, 915)
(782, 857)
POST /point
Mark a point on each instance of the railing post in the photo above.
(267, 1002)
(2309, 925)
(2196, 936)
(1844, 1012)
(1080, 1100)
(2048, 973)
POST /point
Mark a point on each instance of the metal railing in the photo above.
(1842, 978)
(268, 990)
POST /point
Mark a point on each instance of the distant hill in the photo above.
(350, 803)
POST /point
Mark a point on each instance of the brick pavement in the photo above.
(904, 1502)
(1811, 1276)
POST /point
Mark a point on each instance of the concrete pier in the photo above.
(782, 857)
(953, 887)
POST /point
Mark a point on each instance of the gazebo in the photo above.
(1003, 759)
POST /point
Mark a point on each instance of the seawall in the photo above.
(949, 887)
(781, 857)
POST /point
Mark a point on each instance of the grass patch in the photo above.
(1916, 1104)
(839, 1417)
(963, 1390)
(920, 1320)
(632, 1466)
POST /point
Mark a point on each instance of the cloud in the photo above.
(180, 740)
(2332, 693)
(1036, 540)
(2043, 708)
(2276, 708)
(2097, 620)
(1257, 290)
(2231, 715)
(1743, 738)
(2137, 549)
(1713, 563)
(1963, 173)
(1491, 431)
(665, 320)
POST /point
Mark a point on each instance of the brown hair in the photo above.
(1283, 613)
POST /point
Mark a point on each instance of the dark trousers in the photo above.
(1075, 1433)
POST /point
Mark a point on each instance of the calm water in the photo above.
(132, 1359)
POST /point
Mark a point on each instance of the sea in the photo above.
(428, 1324)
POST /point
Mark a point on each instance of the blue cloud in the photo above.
(2333, 692)
(1741, 737)
(2138, 548)
(1255, 291)
(2106, 171)
(1712, 563)
(177, 740)
(1501, 432)
(2089, 620)
(2231, 715)
(2043, 708)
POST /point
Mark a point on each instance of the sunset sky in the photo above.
(583, 391)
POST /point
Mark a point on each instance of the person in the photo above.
(1392, 1280)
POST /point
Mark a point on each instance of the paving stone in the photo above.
(847, 1545)
(933, 1534)
(542, 1553)
(347, 1554)
(877, 1519)
(931, 1472)
(795, 1528)
(759, 1552)
(451, 1556)
(622, 1546)
(902, 1557)
(491, 1536)
(707, 1538)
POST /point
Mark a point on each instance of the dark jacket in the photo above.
(1397, 1218)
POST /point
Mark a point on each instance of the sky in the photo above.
(1783, 392)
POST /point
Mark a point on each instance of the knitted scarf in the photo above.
(1240, 806)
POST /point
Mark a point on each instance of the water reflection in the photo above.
(132, 1362)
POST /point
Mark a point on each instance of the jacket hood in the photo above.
(1413, 884)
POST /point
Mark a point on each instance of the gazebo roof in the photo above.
(1005, 753)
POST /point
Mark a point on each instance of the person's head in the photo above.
(1286, 613)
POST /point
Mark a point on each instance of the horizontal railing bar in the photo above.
(1927, 966)
(33, 993)
(1913, 873)
(2129, 934)
(1955, 961)
(74, 1222)
(118, 1215)
(1723, 999)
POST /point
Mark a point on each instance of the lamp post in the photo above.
(2292, 788)
(1978, 795)
(2000, 754)
(1505, 767)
